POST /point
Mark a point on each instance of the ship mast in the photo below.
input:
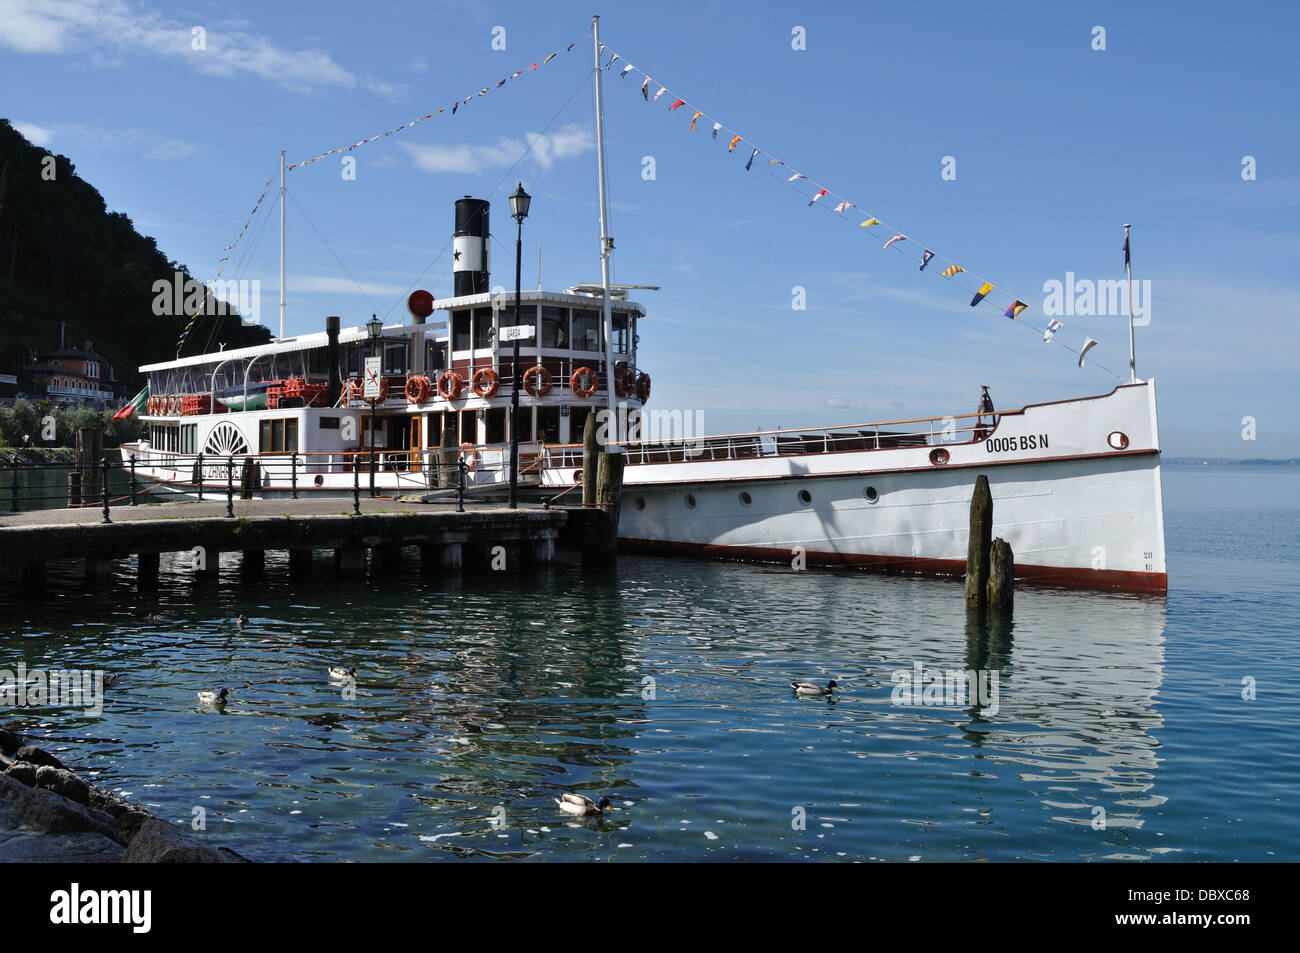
(606, 243)
(282, 301)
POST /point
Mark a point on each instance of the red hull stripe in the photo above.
(1042, 575)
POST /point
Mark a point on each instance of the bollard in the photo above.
(133, 479)
(293, 474)
(356, 486)
(230, 487)
(198, 474)
(103, 479)
(460, 485)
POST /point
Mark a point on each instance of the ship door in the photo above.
(415, 444)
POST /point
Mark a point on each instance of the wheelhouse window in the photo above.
(586, 329)
(395, 357)
(279, 436)
(460, 339)
(555, 327)
(483, 328)
(435, 356)
(621, 326)
(496, 425)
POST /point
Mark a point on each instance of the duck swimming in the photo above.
(812, 688)
(342, 674)
(213, 699)
(580, 804)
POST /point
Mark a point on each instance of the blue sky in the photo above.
(1056, 146)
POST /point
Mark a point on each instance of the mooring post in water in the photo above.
(133, 503)
(90, 447)
(198, 474)
(74, 489)
(981, 537)
(13, 488)
(1002, 573)
(293, 473)
(590, 455)
(603, 542)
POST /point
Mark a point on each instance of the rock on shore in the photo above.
(50, 815)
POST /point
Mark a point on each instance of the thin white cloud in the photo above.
(329, 284)
(106, 32)
(150, 145)
(567, 142)
(171, 149)
(37, 134)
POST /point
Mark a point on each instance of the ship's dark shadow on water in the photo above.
(664, 686)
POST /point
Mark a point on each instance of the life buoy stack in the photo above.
(584, 382)
(537, 381)
(417, 389)
(486, 381)
(643, 387)
(450, 384)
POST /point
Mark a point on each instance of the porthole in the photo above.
(690, 500)
(746, 498)
(1117, 439)
(870, 494)
(805, 497)
(938, 456)
(640, 502)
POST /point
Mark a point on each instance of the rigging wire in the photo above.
(363, 291)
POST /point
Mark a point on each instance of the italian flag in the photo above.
(136, 405)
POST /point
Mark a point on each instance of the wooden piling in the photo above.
(74, 488)
(249, 479)
(146, 570)
(1002, 574)
(252, 566)
(90, 448)
(299, 563)
(590, 458)
(981, 537)
(447, 453)
(602, 544)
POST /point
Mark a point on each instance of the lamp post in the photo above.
(373, 327)
(519, 203)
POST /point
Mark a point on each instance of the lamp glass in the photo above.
(519, 203)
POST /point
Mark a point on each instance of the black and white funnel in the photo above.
(470, 247)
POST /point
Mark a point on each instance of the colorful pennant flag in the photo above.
(693, 118)
(869, 222)
(1088, 345)
(626, 69)
(979, 295)
(843, 206)
(676, 103)
(750, 164)
(1013, 312)
(662, 90)
(716, 127)
(1053, 326)
(900, 237)
(820, 193)
(797, 175)
(1127, 263)
(645, 89)
(549, 58)
(611, 61)
(925, 258)
(734, 141)
(952, 270)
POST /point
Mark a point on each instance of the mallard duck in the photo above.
(812, 688)
(242, 620)
(213, 699)
(339, 673)
(580, 804)
(110, 679)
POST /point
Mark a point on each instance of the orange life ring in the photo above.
(578, 389)
(486, 382)
(470, 455)
(537, 381)
(643, 387)
(148, 406)
(450, 385)
(417, 389)
(624, 380)
(173, 406)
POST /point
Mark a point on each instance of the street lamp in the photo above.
(373, 327)
(519, 203)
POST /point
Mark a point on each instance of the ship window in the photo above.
(586, 329)
(468, 427)
(318, 364)
(690, 500)
(433, 430)
(577, 423)
(870, 494)
(483, 327)
(805, 497)
(435, 357)
(329, 423)
(496, 425)
(619, 323)
(746, 498)
(460, 331)
(525, 423)
(278, 436)
(555, 327)
(548, 424)
(640, 502)
(395, 357)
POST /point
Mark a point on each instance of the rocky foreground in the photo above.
(49, 815)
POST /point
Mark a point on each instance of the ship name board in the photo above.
(1022, 442)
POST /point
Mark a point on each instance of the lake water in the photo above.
(665, 688)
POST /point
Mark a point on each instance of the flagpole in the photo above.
(282, 300)
(1128, 266)
(606, 243)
